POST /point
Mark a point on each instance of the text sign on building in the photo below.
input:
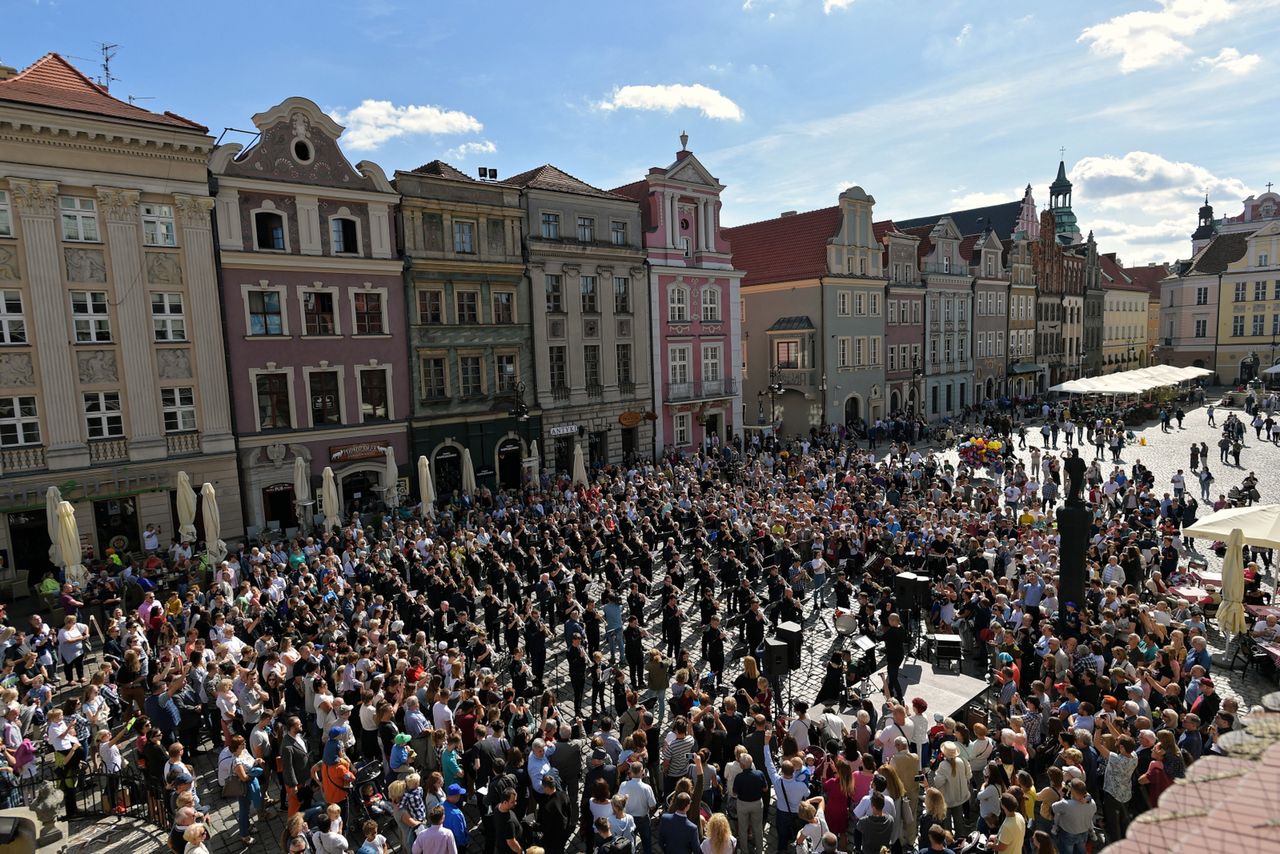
(563, 430)
(358, 451)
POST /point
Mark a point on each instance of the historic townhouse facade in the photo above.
(694, 305)
(904, 323)
(1021, 367)
(1124, 337)
(1249, 309)
(313, 300)
(470, 331)
(591, 320)
(984, 254)
(948, 363)
(814, 315)
(112, 376)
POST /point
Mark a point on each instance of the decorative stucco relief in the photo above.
(174, 364)
(16, 370)
(97, 366)
(85, 265)
(163, 269)
(8, 264)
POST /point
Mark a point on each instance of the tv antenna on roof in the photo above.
(134, 99)
(108, 53)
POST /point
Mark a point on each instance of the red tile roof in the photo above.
(548, 177)
(53, 82)
(440, 169)
(785, 248)
(1149, 276)
(1119, 278)
(788, 248)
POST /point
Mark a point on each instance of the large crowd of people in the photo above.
(579, 666)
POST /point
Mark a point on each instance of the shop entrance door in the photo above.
(29, 535)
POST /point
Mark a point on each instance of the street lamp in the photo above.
(774, 389)
(520, 410)
(917, 377)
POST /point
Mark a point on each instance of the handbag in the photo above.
(234, 787)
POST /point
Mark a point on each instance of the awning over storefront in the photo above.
(1132, 382)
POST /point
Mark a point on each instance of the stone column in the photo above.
(704, 232)
(205, 323)
(673, 219)
(61, 407)
(119, 208)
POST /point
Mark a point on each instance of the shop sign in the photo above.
(630, 418)
(358, 451)
(562, 430)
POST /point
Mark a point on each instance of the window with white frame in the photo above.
(873, 304)
(590, 294)
(266, 315)
(678, 305)
(6, 215)
(981, 343)
(157, 225)
(586, 229)
(324, 390)
(623, 353)
(19, 421)
(555, 294)
(504, 307)
(842, 303)
(102, 414)
(874, 343)
(89, 314)
(435, 378)
(471, 375)
(680, 421)
(678, 363)
(893, 358)
(860, 304)
(464, 237)
(892, 313)
(344, 235)
(711, 304)
(179, 407)
(621, 295)
(13, 323)
(786, 354)
(711, 363)
(618, 233)
(859, 351)
(1202, 328)
(844, 349)
(318, 315)
(268, 231)
(167, 319)
(558, 359)
(272, 390)
(367, 309)
(504, 372)
(79, 219)
(375, 398)
(591, 366)
(550, 226)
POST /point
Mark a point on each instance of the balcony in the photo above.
(559, 392)
(626, 388)
(182, 444)
(595, 390)
(108, 451)
(803, 379)
(702, 390)
(25, 458)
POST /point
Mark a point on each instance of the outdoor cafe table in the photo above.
(1261, 612)
(1193, 595)
(1205, 578)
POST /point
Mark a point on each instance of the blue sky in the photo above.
(928, 104)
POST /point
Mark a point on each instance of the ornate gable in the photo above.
(298, 143)
(688, 170)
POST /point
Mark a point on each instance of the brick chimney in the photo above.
(7, 71)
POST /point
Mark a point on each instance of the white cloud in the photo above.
(1229, 59)
(982, 198)
(963, 35)
(1148, 38)
(375, 122)
(463, 151)
(830, 5)
(670, 98)
(1149, 185)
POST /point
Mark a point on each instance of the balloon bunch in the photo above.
(977, 451)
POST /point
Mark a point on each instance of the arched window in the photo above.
(268, 230)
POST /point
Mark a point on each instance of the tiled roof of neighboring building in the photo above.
(1001, 218)
(548, 177)
(785, 248)
(636, 190)
(440, 169)
(53, 82)
(1149, 276)
(1223, 250)
(794, 323)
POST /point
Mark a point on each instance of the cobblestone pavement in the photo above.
(1163, 454)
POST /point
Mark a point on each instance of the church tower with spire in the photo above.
(1205, 229)
(1064, 219)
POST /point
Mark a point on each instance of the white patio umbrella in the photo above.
(579, 466)
(69, 543)
(426, 489)
(391, 480)
(1231, 612)
(186, 509)
(302, 490)
(52, 498)
(329, 501)
(468, 473)
(1259, 525)
(213, 545)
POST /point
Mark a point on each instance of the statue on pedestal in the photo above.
(1075, 469)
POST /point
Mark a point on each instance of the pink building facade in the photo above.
(695, 306)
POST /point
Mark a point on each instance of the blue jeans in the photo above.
(242, 815)
(819, 591)
(613, 644)
(784, 829)
(1070, 843)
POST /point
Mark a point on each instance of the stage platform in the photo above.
(945, 691)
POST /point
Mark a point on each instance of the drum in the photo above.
(845, 622)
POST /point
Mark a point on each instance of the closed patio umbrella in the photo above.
(302, 490)
(69, 543)
(1231, 611)
(426, 489)
(391, 480)
(213, 545)
(579, 465)
(52, 498)
(186, 509)
(329, 501)
(468, 473)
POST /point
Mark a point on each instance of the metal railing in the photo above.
(701, 390)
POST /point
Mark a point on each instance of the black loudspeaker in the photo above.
(777, 657)
(789, 633)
